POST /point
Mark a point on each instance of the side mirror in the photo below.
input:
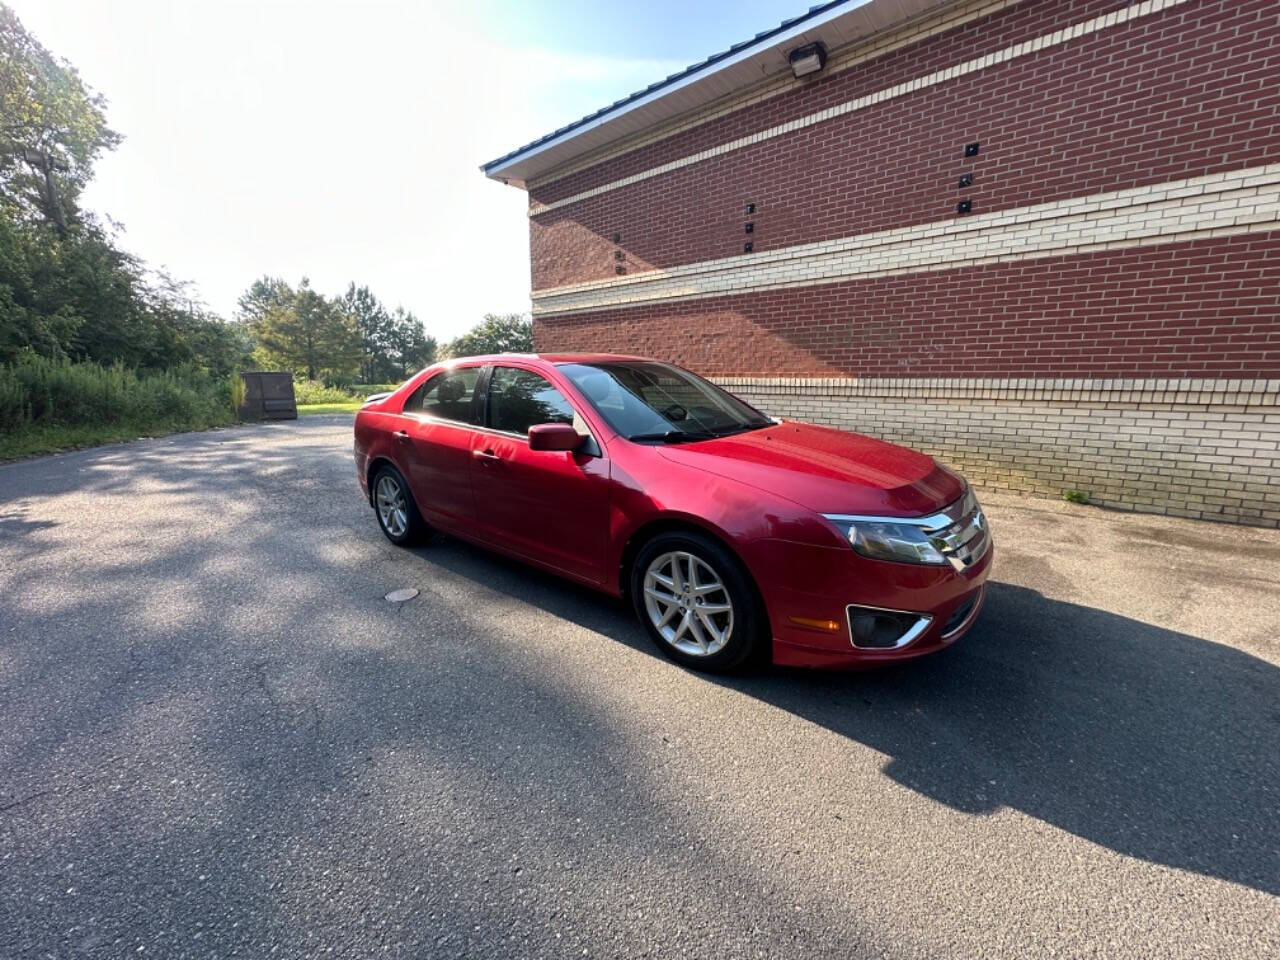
(554, 436)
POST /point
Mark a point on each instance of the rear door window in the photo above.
(450, 395)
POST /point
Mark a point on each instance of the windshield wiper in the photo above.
(673, 436)
(709, 433)
(738, 428)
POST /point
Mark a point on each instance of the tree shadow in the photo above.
(237, 701)
(14, 523)
(237, 722)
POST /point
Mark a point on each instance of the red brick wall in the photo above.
(1201, 309)
(1024, 21)
(1176, 94)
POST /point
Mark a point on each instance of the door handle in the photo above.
(488, 456)
(402, 436)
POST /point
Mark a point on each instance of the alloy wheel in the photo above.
(393, 509)
(688, 604)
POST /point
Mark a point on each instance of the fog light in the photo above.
(871, 628)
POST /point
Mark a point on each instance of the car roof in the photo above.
(554, 358)
(591, 357)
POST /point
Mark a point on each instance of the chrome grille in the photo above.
(961, 534)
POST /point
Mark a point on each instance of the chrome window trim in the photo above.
(913, 632)
(428, 418)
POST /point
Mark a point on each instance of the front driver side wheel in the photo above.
(696, 602)
(393, 503)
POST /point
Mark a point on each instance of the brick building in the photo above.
(1037, 238)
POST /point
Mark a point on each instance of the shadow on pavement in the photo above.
(1152, 743)
(234, 699)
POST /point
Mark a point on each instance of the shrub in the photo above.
(1075, 496)
(307, 392)
(36, 391)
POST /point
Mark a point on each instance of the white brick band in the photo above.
(1193, 448)
(1217, 205)
(1024, 49)
(1216, 392)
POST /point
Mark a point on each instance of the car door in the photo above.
(548, 506)
(436, 437)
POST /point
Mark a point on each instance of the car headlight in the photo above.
(887, 540)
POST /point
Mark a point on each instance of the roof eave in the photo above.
(793, 33)
(836, 24)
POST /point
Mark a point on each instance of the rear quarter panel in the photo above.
(375, 422)
(372, 441)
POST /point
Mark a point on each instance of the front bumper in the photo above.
(805, 584)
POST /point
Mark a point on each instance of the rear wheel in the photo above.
(393, 503)
(696, 602)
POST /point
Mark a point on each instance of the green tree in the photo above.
(77, 295)
(375, 328)
(505, 333)
(304, 331)
(52, 128)
(264, 295)
(410, 347)
(66, 289)
(203, 336)
(31, 316)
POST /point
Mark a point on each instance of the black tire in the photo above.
(414, 528)
(749, 634)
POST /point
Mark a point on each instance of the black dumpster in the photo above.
(268, 396)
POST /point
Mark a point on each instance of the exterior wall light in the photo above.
(808, 59)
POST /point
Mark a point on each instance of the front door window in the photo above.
(518, 399)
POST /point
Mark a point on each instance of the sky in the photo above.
(342, 141)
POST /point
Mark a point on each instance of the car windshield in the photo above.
(651, 402)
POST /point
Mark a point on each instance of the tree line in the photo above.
(332, 338)
(68, 291)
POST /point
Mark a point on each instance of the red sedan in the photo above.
(732, 533)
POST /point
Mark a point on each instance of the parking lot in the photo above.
(217, 738)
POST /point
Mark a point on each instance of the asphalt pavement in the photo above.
(218, 739)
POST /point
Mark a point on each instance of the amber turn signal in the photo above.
(831, 626)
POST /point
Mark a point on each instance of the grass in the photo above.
(1075, 496)
(33, 441)
(309, 393)
(349, 407)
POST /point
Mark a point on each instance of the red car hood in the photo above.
(828, 471)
